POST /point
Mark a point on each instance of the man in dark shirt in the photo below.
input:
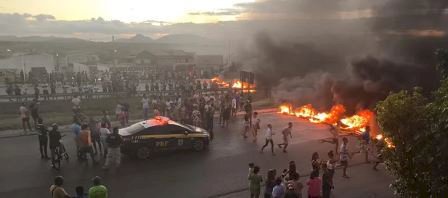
(54, 136)
(327, 183)
(113, 141)
(43, 138)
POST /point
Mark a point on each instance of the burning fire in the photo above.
(331, 117)
(357, 122)
(306, 111)
(237, 84)
(220, 82)
(285, 109)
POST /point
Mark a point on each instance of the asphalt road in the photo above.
(219, 172)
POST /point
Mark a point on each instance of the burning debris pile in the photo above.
(352, 125)
(236, 84)
(336, 116)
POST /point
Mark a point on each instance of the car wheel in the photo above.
(198, 145)
(143, 153)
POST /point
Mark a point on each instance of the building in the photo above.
(209, 61)
(21, 61)
(8, 75)
(164, 59)
(38, 74)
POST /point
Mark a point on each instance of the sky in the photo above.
(99, 20)
(173, 11)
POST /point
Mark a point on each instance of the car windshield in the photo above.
(131, 129)
(182, 125)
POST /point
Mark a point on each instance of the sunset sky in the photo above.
(99, 19)
(198, 11)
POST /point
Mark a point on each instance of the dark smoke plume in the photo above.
(404, 35)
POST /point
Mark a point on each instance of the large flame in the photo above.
(306, 111)
(286, 109)
(331, 117)
(221, 83)
(354, 124)
(357, 122)
(237, 84)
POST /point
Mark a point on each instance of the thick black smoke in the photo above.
(404, 36)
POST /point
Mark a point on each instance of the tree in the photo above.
(418, 130)
(402, 117)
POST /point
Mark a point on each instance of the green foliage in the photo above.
(417, 128)
(442, 59)
(403, 117)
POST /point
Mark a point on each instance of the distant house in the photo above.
(8, 75)
(38, 74)
(164, 59)
(209, 61)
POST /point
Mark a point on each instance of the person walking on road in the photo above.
(97, 190)
(95, 135)
(25, 117)
(54, 136)
(269, 184)
(315, 163)
(86, 143)
(145, 106)
(114, 141)
(246, 126)
(76, 129)
(344, 156)
(43, 138)
(56, 190)
(76, 102)
(314, 185)
(269, 134)
(209, 118)
(255, 126)
(327, 182)
(104, 132)
(286, 135)
(278, 191)
(255, 182)
(34, 108)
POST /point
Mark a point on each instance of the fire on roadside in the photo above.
(285, 109)
(247, 87)
(357, 122)
(221, 83)
(235, 84)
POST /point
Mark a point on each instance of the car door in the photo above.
(180, 138)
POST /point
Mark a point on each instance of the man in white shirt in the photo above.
(76, 101)
(145, 106)
(25, 116)
(269, 135)
(234, 106)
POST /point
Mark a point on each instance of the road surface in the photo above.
(219, 172)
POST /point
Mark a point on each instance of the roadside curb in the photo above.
(20, 133)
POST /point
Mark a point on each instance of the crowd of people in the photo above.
(83, 83)
(97, 190)
(320, 182)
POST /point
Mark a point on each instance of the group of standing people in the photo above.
(97, 190)
(286, 185)
(95, 138)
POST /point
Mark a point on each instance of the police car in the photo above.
(161, 134)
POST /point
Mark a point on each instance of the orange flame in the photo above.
(220, 82)
(306, 111)
(286, 109)
(357, 122)
(330, 118)
(237, 84)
